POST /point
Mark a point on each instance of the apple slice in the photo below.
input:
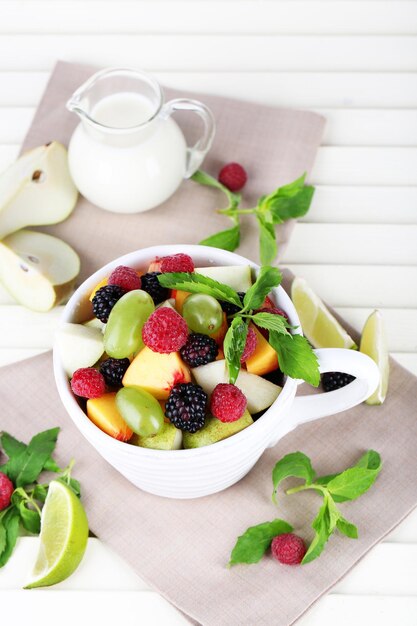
(36, 190)
(37, 269)
(215, 430)
(239, 277)
(96, 323)
(169, 438)
(79, 346)
(260, 393)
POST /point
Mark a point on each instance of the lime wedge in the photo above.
(319, 326)
(63, 537)
(374, 344)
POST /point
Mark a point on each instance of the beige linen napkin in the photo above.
(181, 547)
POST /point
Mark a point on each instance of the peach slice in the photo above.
(104, 414)
(264, 359)
(156, 372)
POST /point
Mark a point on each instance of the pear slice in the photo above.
(169, 438)
(79, 346)
(215, 430)
(37, 269)
(36, 190)
(260, 393)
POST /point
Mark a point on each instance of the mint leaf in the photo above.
(30, 519)
(3, 534)
(370, 460)
(352, 483)
(296, 464)
(233, 346)
(289, 201)
(197, 283)
(10, 522)
(296, 357)
(35, 456)
(346, 528)
(268, 247)
(40, 492)
(321, 526)
(11, 446)
(252, 545)
(268, 278)
(271, 321)
(205, 179)
(226, 239)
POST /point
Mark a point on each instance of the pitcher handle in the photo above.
(311, 407)
(197, 152)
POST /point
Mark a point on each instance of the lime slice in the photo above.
(374, 344)
(63, 538)
(319, 326)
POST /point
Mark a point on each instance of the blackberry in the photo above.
(186, 407)
(229, 308)
(105, 299)
(199, 350)
(113, 371)
(335, 380)
(150, 284)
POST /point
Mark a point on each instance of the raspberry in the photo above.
(150, 284)
(288, 549)
(270, 309)
(250, 345)
(229, 308)
(199, 350)
(6, 490)
(105, 299)
(87, 382)
(268, 303)
(165, 331)
(227, 402)
(335, 380)
(125, 277)
(233, 176)
(186, 407)
(113, 371)
(177, 263)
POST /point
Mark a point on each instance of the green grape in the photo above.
(202, 313)
(140, 410)
(123, 334)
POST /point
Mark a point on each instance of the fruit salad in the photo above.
(149, 367)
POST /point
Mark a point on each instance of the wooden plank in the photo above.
(406, 531)
(407, 360)
(345, 127)
(267, 17)
(214, 52)
(363, 205)
(376, 286)
(294, 89)
(353, 244)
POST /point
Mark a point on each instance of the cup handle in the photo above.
(311, 407)
(197, 152)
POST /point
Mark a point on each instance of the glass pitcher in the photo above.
(128, 155)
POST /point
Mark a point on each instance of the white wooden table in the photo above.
(355, 61)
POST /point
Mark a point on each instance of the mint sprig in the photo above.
(255, 541)
(25, 464)
(287, 202)
(295, 355)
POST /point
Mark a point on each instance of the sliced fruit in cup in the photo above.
(319, 326)
(104, 413)
(63, 537)
(79, 346)
(374, 344)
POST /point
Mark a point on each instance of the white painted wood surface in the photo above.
(355, 62)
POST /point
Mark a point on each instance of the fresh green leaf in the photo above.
(208, 181)
(321, 526)
(226, 239)
(267, 279)
(30, 518)
(255, 541)
(197, 283)
(333, 512)
(370, 460)
(271, 321)
(296, 357)
(11, 521)
(39, 493)
(3, 535)
(51, 466)
(36, 454)
(233, 346)
(352, 483)
(268, 247)
(72, 483)
(11, 446)
(348, 529)
(291, 207)
(296, 464)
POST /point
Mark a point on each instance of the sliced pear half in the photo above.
(36, 190)
(37, 269)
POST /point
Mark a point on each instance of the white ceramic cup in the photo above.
(203, 471)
